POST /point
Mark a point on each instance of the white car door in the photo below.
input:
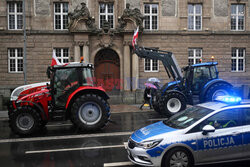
(246, 132)
(225, 143)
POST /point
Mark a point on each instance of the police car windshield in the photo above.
(187, 117)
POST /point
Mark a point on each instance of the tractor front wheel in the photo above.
(90, 112)
(172, 103)
(25, 120)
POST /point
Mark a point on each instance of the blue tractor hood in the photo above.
(150, 131)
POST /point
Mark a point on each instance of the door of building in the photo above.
(107, 70)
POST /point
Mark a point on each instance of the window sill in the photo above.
(151, 71)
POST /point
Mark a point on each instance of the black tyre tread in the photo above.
(163, 103)
(24, 109)
(100, 101)
(216, 86)
(156, 104)
(167, 156)
(156, 107)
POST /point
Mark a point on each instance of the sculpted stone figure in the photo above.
(82, 13)
(133, 14)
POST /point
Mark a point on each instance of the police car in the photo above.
(207, 133)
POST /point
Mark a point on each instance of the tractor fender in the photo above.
(44, 115)
(169, 85)
(209, 84)
(177, 91)
(86, 89)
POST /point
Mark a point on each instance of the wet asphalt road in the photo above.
(62, 145)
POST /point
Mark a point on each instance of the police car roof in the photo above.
(213, 105)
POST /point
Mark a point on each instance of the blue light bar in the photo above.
(228, 99)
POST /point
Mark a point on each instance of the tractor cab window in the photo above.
(201, 77)
(65, 82)
(214, 72)
(87, 77)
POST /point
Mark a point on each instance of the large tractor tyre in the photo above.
(155, 103)
(24, 120)
(218, 89)
(172, 103)
(90, 112)
(177, 157)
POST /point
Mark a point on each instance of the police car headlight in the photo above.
(149, 144)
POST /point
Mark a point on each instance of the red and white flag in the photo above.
(135, 37)
(55, 61)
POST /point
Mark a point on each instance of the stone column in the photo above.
(135, 72)
(86, 52)
(77, 53)
(126, 65)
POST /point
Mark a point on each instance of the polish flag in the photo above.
(55, 61)
(135, 37)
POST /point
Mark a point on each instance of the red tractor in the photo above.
(70, 95)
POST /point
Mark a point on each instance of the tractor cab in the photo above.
(198, 75)
(67, 79)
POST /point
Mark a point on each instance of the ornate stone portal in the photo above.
(82, 25)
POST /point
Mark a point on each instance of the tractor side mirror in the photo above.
(207, 129)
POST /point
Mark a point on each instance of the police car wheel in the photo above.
(177, 157)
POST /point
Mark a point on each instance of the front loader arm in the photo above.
(167, 59)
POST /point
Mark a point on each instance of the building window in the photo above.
(15, 15)
(237, 17)
(106, 14)
(151, 65)
(15, 60)
(194, 16)
(238, 59)
(194, 56)
(60, 16)
(62, 54)
(151, 16)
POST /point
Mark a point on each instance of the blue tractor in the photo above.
(193, 84)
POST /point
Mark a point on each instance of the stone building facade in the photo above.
(101, 31)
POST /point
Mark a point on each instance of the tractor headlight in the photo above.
(149, 144)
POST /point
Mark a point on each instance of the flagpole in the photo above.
(25, 44)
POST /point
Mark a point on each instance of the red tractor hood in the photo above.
(25, 90)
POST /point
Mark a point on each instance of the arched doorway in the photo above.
(107, 70)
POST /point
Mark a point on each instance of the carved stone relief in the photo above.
(221, 8)
(168, 7)
(79, 14)
(134, 3)
(130, 15)
(42, 7)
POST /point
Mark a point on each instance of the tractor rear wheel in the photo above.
(25, 120)
(218, 89)
(172, 103)
(90, 112)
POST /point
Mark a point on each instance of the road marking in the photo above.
(65, 137)
(118, 164)
(158, 119)
(140, 111)
(125, 145)
(73, 149)
(56, 125)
